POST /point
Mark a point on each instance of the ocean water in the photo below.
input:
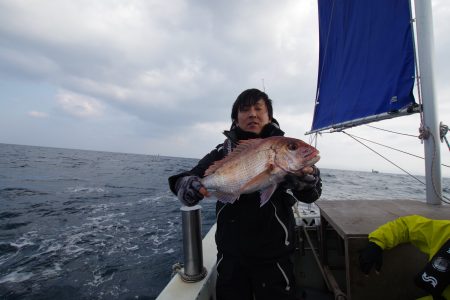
(78, 224)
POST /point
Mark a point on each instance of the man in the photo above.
(254, 243)
(432, 237)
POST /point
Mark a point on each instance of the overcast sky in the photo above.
(159, 77)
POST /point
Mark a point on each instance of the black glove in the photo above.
(369, 256)
(188, 190)
(303, 182)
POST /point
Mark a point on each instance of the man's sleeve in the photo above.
(198, 170)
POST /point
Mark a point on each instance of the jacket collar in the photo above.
(236, 134)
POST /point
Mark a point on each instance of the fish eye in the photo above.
(292, 146)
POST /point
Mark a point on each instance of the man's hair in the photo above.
(250, 97)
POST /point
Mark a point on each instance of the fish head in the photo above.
(292, 155)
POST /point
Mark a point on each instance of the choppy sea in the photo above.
(77, 224)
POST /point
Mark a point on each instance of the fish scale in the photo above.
(243, 172)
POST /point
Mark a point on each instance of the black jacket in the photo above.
(244, 229)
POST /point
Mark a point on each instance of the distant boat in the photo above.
(375, 171)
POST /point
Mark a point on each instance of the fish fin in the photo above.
(226, 198)
(235, 198)
(204, 192)
(241, 147)
(266, 193)
(256, 181)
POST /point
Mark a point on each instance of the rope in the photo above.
(316, 257)
(443, 130)
(384, 157)
(434, 188)
(391, 131)
(313, 139)
(432, 167)
(448, 144)
(444, 165)
(417, 69)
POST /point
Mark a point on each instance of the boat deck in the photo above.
(347, 223)
(353, 220)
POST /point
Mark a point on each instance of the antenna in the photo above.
(263, 86)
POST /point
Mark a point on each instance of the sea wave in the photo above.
(96, 225)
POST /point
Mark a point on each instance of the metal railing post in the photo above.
(193, 270)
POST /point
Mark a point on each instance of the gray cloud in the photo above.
(170, 70)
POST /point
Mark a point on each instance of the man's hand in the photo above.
(371, 255)
(189, 190)
(306, 181)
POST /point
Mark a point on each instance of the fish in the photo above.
(257, 165)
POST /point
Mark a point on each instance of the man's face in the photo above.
(253, 118)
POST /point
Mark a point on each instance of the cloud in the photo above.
(165, 73)
(79, 106)
(26, 63)
(37, 114)
(155, 59)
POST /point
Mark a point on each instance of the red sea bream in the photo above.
(258, 165)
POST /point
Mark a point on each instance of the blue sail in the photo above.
(366, 61)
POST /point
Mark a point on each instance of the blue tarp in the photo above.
(366, 60)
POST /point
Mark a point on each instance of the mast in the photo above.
(425, 44)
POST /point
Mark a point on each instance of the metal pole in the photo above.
(425, 44)
(192, 244)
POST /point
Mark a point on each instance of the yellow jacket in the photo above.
(426, 234)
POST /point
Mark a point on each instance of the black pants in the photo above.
(237, 280)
